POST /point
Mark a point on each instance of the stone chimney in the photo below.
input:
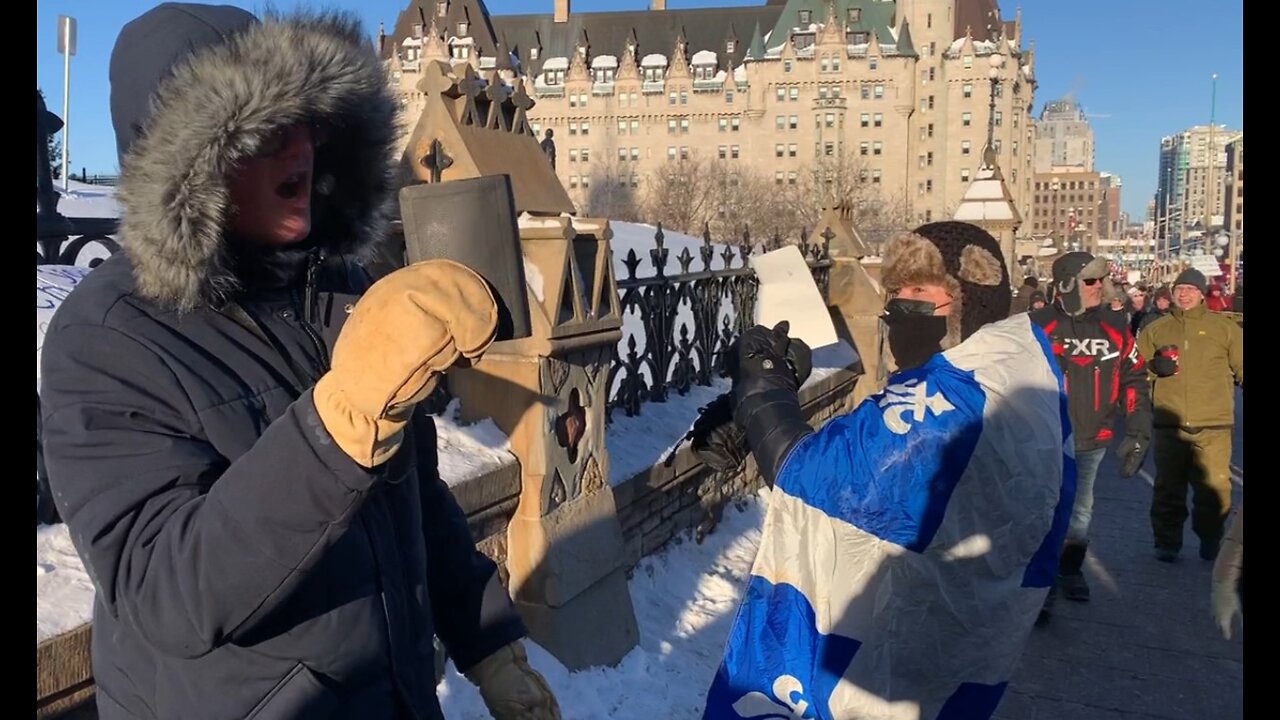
(562, 11)
(657, 4)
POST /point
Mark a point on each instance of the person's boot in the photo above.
(1046, 610)
(1209, 546)
(1071, 571)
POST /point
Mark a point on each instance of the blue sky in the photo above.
(1140, 68)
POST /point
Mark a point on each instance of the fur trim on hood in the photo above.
(215, 109)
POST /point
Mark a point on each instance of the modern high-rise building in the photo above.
(1063, 137)
(1112, 218)
(897, 93)
(1189, 174)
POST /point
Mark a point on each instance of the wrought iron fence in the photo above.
(677, 326)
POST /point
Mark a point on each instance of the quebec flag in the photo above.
(909, 545)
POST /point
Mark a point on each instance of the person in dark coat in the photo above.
(230, 429)
(1022, 300)
(549, 147)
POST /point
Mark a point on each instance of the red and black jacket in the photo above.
(1105, 376)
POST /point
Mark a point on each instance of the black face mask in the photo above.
(915, 333)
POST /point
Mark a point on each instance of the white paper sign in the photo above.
(787, 292)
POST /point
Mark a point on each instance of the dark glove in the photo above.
(1132, 451)
(717, 440)
(765, 395)
(1165, 362)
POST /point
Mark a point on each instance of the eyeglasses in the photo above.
(319, 134)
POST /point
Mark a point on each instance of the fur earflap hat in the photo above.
(961, 257)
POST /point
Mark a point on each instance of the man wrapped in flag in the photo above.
(909, 545)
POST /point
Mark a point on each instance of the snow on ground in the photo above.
(685, 599)
(469, 451)
(64, 593)
(84, 200)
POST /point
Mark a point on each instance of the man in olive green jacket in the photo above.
(1195, 356)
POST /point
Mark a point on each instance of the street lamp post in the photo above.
(996, 62)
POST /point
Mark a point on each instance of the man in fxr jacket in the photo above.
(1104, 377)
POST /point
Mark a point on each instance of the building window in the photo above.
(921, 162)
(879, 119)
(967, 88)
(795, 94)
(684, 153)
(780, 94)
(829, 149)
(964, 175)
(794, 122)
(930, 102)
(924, 77)
(786, 66)
(872, 64)
(875, 176)
(835, 64)
(728, 97)
(724, 124)
(791, 177)
(733, 152)
(930, 129)
(622, 127)
(929, 158)
(1015, 147)
(586, 181)
(573, 155)
(791, 150)
(922, 133)
(965, 147)
(830, 119)
(723, 152)
(928, 186)
(622, 154)
(586, 154)
(826, 64)
(671, 153)
(536, 128)
(864, 147)
(671, 126)
(966, 119)
(822, 92)
(533, 53)
(999, 118)
(924, 105)
(735, 124)
(781, 122)
(879, 91)
(573, 181)
(684, 98)
(806, 17)
(967, 61)
(876, 147)
(684, 126)
(671, 98)
(442, 8)
(635, 154)
(778, 150)
(855, 15)
(865, 120)
(573, 128)
(729, 46)
(633, 100)
(462, 29)
(777, 177)
(995, 145)
(865, 93)
(635, 127)
(928, 20)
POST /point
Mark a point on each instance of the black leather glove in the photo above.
(766, 395)
(717, 440)
(1165, 362)
(1132, 451)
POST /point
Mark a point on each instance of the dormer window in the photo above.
(729, 46)
(460, 52)
(704, 72)
(417, 30)
(462, 28)
(653, 74)
(533, 53)
(602, 74)
(806, 17)
(442, 8)
(858, 38)
(855, 15)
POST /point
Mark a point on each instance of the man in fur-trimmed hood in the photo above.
(230, 423)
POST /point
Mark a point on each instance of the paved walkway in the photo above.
(1146, 645)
